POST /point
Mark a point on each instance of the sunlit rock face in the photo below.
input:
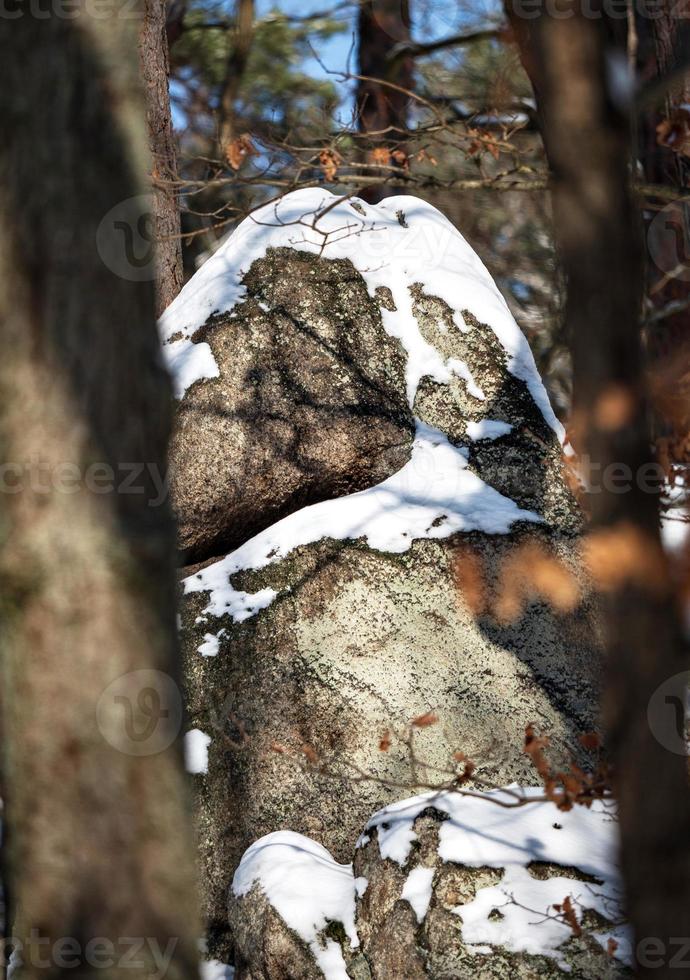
(370, 482)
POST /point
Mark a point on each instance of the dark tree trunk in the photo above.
(588, 145)
(155, 69)
(386, 70)
(664, 154)
(98, 845)
(234, 73)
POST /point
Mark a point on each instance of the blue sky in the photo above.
(431, 19)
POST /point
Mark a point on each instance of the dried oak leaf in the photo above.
(309, 752)
(330, 160)
(401, 158)
(674, 132)
(565, 908)
(381, 155)
(590, 740)
(239, 149)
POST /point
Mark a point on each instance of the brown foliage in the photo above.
(310, 753)
(239, 149)
(624, 555)
(566, 910)
(386, 741)
(614, 408)
(530, 572)
(566, 788)
(382, 155)
(330, 160)
(468, 576)
(674, 131)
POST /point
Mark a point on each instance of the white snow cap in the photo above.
(395, 244)
(307, 888)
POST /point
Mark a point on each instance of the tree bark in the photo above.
(236, 67)
(97, 840)
(155, 70)
(386, 78)
(587, 141)
(664, 154)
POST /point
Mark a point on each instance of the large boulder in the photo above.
(450, 590)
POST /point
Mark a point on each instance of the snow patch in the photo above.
(187, 363)
(675, 530)
(211, 643)
(394, 245)
(307, 888)
(196, 745)
(433, 496)
(417, 890)
(487, 429)
(456, 366)
(215, 970)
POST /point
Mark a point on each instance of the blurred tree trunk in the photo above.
(663, 58)
(386, 70)
(155, 70)
(174, 20)
(587, 141)
(98, 845)
(234, 73)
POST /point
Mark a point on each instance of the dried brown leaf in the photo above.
(239, 149)
(425, 720)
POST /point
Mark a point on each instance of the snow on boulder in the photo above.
(287, 880)
(507, 884)
(369, 589)
(301, 349)
(499, 884)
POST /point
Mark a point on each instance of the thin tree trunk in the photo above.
(588, 145)
(386, 70)
(236, 67)
(155, 70)
(664, 154)
(98, 853)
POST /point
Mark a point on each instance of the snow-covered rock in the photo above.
(497, 885)
(287, 880)
(491, 882)
(302, 347)
(357, 611)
